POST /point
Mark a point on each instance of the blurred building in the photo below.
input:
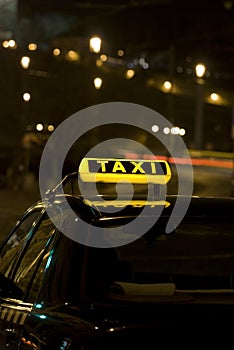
(144, 44)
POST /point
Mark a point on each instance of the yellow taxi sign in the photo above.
(124, 203)
(114, 170)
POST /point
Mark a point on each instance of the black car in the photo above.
(158, 289)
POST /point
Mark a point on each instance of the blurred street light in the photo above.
(129, 74)
(167, 86)
(72, 55)
(39, 127)
(95, 44)
(50, 127)
(175, 130)
(25, 61)
(214, 97)
(155, 128)
(56, 52)
(97, 83)
(32, 46)
(26, 97)
(9, 44)
(200, 70)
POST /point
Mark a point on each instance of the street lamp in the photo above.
(25, 61)
(97, 83)
(200, 70)
(95, 44)
(26, 96)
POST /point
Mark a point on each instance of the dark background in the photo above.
(171, 36)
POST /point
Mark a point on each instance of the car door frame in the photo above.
(13, 312)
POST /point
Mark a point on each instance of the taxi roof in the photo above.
(106, 171)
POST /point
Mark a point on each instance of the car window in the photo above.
(24, 255)
(34, 260)
(16, 242)
(197, 256)
(63, 272)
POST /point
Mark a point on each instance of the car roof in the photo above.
(200, 208)
(103, 172)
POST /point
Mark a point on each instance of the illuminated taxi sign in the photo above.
(124, 203)
(132, 170)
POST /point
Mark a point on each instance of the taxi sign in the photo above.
(124, 203)
(114, 170)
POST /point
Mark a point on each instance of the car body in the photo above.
(57, 293)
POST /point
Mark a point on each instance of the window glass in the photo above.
(15, 244)
(63, 272)
(34, 258)
(197, 256)
(24, 256)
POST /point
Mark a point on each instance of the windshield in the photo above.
(194, 259)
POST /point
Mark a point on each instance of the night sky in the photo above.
(170, 36)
